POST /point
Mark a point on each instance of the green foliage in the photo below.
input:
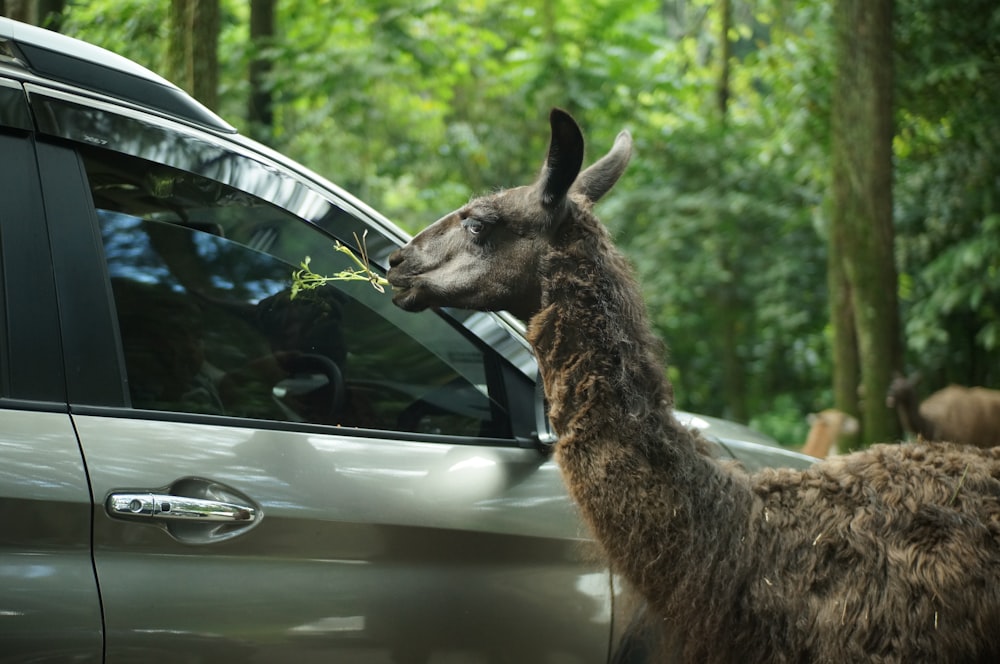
(137, 29)
(304, 279)
(722, 215)
(948, 206)
(133, 28)
(784, 421)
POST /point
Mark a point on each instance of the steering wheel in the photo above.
(306, 364)
(285, 386)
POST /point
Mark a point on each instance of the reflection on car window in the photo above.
(201, 274)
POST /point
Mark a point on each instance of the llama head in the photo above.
(902, 390)
(486, 254)
(835, 420)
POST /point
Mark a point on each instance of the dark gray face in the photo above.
(902, 390)
(482, 256)
(486, 255)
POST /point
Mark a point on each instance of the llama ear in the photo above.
(598, 179)
(564, 159)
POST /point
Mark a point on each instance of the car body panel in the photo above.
(365, 549)
(49, 607)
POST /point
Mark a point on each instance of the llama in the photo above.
(825, 427)
(969, 415)
(891, 554)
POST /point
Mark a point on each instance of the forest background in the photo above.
(737, 206)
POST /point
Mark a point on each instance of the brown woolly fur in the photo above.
(887, 555)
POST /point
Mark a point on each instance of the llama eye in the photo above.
(474, 226)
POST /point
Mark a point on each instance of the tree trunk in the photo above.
(177, 39)
(50, 13)
(193, 48)
(732, 306)
(260, 110)
(19, 10)
(203, 28)
(722, 89)
(862, 230)
(846, 368)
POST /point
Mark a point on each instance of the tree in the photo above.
(19, 10)
(863, 269)
(46, 13)
(50, 13)
(260, 109)
(192, 48)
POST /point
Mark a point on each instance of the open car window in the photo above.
(201, 275)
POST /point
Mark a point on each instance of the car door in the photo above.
(318, 478)
(49, 604)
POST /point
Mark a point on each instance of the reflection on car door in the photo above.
(364, 504)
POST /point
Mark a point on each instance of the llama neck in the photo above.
(820, 439)
(908, 409)
(658, 505)
(826, 428)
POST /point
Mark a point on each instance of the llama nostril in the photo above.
(395, 258)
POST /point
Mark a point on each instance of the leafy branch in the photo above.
(305, 279)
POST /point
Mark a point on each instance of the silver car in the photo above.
(197, 467)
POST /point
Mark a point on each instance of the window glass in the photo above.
(201, 274)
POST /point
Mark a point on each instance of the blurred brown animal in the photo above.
(826, 427)
(956, 414)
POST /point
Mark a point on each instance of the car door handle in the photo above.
(178, 508)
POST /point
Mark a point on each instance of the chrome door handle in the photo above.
(178, 508)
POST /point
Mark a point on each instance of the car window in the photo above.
(201, 275)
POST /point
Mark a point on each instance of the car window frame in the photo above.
(31, 362)
(97, 381)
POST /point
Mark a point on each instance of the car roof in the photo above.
(60, 58)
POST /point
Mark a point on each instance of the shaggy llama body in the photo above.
(888, 555)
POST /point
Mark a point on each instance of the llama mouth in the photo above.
(407, 300)
(399, 285)
(405, 294)
(399, 289)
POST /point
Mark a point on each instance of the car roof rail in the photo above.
(58, 57)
